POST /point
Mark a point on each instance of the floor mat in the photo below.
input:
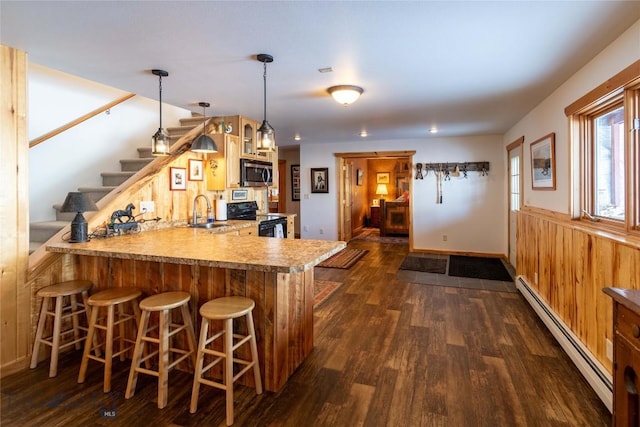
(478, 268)
(344, 259)
(424, 264)
(322, 290)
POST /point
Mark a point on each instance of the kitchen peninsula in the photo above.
(276, 273)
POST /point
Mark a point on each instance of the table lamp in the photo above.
(78, 202)
(381, 190)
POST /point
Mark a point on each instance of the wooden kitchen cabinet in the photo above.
(626, 355)
(222, 169)
(232, 148)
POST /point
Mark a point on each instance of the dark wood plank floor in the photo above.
(387, 353)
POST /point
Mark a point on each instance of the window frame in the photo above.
(622, 90)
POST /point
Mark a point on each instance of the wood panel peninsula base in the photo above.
(276, 273)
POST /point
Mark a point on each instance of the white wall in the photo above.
(76, 157)
(473, 212)
(549, 117)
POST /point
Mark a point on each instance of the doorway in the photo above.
(514, 151)
(357, 187)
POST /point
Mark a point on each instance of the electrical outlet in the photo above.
(306, 228)
(147, 207)
(609, 348)
(444, 237)
(322, 231)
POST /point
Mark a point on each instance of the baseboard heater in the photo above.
(595, 374)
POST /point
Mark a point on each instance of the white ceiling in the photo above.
(465, 67)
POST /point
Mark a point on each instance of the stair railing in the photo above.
(79, 120)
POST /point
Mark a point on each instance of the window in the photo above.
(515, 183)
(605, 133)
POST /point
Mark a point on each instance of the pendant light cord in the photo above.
(265, 90)
(160, 85)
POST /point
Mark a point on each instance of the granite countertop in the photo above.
(212, 248)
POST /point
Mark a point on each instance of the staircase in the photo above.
(41, 231)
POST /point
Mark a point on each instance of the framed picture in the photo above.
(295, 183)
(382, 177)
(177, 179)
(196, 172)
(359, 176)
(543, 167)
(319, 180)
(239, 194)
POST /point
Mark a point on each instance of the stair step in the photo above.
(134, 165)
(42, 231)
(179, 130)
(115, 178)
(145, 152)
(96, 193)
(63, 216)
(193, 121)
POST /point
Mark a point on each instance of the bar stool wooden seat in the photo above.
(163, 304)
(109, 299)
(225, 309)
(61, 311)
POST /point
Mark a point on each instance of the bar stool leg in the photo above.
(163, 357)
(191, 335)
(91, 337)
(39, 331)
(122, 343)
(55, 343)
(197, 368)
(137, 355)
(228, 368)
(108, 362)
(254, 354)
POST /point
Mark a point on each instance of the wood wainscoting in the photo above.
(568, 264)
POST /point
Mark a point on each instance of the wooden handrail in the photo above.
(79, 120)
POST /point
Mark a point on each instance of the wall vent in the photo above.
(595, 374)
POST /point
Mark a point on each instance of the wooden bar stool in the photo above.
(162, 304)
(109, 299)
(61, 311)
(226, 309)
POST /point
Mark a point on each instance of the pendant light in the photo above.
(204, 143)
(267, 137)
(160, 140)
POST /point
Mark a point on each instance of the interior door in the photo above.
(515, 199)
(347, 171)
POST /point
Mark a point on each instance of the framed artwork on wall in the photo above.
(177, 179)
(319, 180)
(543, 168)
(359, 177)
(239, 194)
(196, 172)
(383, 177)
(295, 183)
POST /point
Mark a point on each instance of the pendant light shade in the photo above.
(267, 136)
(345, 94)
(160, 140)
(203, 143)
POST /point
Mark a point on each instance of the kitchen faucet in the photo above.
(195, 208)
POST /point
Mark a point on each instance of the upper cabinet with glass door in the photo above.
(248, 140)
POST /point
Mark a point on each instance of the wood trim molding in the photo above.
(515, 144)
(376, 154)
(79, 120)
(618, 81)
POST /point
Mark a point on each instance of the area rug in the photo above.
(424, 264)
(344, 259)
(478, 268)
(322, 289)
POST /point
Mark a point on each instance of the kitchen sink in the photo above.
(207, 225)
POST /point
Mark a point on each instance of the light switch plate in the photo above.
(147, 206)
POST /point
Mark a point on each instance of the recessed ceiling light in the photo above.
(296, 138)
(364, 133)
(433, 130)
(325, 70)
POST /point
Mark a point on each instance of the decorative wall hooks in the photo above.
(451, 169)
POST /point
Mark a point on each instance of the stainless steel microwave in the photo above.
(254, 173)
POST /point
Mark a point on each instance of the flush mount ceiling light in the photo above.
(204, 143)
(160, 140)
(267, 137)
(345, 94)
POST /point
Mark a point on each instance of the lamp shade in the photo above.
(266, 137)
(204, 144)
(78, 202)
(381, 190)
(345, 94)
